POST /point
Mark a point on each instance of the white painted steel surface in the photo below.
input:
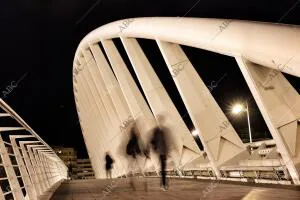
(106, 95)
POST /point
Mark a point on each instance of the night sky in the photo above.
(39, 39)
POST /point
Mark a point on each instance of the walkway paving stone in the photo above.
(149, 189)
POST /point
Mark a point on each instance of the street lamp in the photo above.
(194, 132)
(238, 108)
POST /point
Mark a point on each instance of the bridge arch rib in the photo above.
(107, 96)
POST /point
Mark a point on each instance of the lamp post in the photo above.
(238, 108)
(249, 126)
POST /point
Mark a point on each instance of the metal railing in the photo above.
(28, 165)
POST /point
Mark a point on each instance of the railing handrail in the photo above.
(19, 119)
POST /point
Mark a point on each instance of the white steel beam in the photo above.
(281, 41)
(159, 100)
(220, 144)
(279, 104)
(136, 102)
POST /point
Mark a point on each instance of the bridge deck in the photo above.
(179, 189)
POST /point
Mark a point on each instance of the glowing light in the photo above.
(194, 132)
(237, 109)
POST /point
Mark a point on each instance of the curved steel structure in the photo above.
(107, 96)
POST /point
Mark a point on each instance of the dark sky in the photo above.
(39, 39)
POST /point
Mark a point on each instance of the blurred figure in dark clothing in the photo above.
(108, 165)
(160, 145)
(133, 150)
(70, 170)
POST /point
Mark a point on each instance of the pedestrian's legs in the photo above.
(145, 178)
(109, 173)
(131, 173)
(163, 170)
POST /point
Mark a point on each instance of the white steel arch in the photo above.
(106, 97)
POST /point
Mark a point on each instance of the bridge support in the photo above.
(279, 104)
(93, 73)
(136, 102)
(116, 103)
(87, 126)
(102, 90)
(99, 119)
(104, 130)
(119, 98)
(220, 141)
(159, 100)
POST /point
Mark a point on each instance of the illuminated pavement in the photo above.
(179, 189)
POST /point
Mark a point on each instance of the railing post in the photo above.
(14, 185)
(31, 169)
(41, 167)
(47, 169)
(37, 170)
(25, 176)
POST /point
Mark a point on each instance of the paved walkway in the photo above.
(179, 189)
(47, 195)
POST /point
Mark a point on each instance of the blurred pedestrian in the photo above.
(70, 171)
(160, 145)
(108, 165)
(133, 150)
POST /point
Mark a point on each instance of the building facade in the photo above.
(84, 169)
(78, 168)
(67, 154)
